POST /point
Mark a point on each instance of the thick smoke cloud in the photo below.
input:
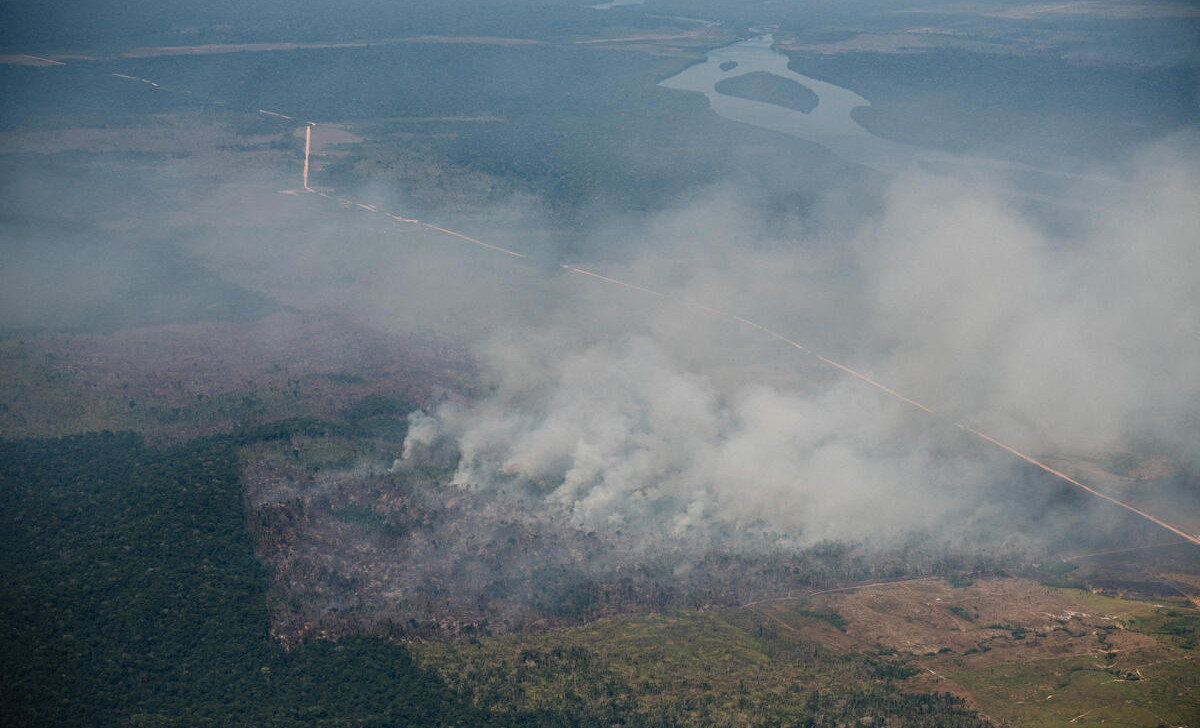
(621, 436)
(1083, 342)
(1072, 334)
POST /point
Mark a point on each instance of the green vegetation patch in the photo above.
(827, 615)
(737, 667)
(771, 89)
(1142, 688)
(1177, 626)
(961, 613)
(1123, 609)
(1058, 574)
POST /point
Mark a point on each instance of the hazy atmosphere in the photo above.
(554, 330)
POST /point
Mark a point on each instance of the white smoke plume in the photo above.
(1082, 342)
(622, 436)
(1073, 334)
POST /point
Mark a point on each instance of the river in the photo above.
(830, 124)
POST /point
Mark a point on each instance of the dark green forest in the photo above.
(132, 596)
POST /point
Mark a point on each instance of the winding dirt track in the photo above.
(716, 312)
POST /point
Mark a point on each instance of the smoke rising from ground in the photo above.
(1075, 338)
(1063, 331)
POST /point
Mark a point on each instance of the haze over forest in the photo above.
(494, 323)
